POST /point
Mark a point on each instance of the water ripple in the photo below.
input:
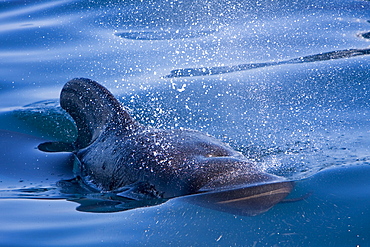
(204, 71)
(164, 35)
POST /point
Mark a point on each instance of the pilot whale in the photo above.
(118, 154)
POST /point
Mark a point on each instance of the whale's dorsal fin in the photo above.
(92, 106)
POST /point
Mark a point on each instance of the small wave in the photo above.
(31, 193)
(47, 118)
(365, 35)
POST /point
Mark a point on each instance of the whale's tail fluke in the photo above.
(92, 107)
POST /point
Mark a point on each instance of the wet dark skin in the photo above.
(117, 154)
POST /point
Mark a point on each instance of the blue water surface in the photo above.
(307, 121)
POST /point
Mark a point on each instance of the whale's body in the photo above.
(117, 154)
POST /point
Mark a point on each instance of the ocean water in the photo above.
(287, 83)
